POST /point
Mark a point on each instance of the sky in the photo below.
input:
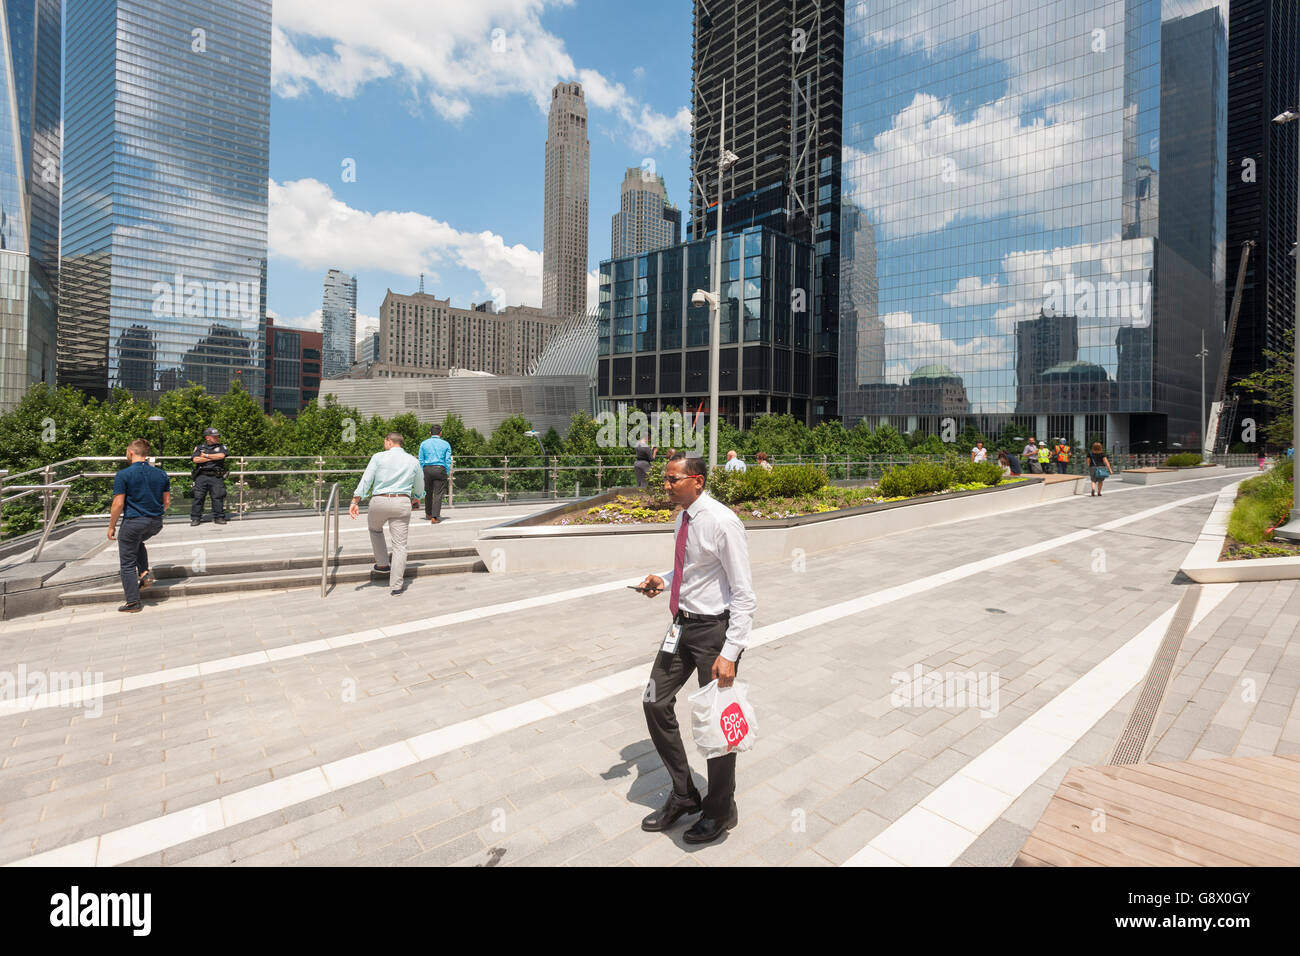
(409, 136)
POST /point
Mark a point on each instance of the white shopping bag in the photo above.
(722, 720)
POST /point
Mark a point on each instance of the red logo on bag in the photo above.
(734, 725)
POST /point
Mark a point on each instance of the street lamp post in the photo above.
(1291, 530)
(726, 159)
(1201, 355)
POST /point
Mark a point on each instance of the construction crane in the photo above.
(1223, 412)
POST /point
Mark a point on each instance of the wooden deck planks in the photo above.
(1240, 811)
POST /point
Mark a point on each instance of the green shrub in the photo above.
(794, 481)
(1250, 519)
(1183, 460)
(655, 479)
(755, 483)
(982, 473)
(725, 485)
(921, 478)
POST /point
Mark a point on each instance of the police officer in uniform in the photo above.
(209, 470)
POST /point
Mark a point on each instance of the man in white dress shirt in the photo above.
(711, 600)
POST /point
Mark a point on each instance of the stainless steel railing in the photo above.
(262, 484)
(331, 504)
(51, 514)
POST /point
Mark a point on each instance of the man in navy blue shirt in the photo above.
(141, 495)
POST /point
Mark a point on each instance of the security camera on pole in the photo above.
(726, 159)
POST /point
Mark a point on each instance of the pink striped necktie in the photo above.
(679, 562)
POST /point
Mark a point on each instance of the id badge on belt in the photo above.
(671, 638)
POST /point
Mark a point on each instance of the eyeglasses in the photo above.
(672, 480)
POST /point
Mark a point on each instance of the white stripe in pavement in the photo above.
(939, 829)
(222, 539)
(801, 622)
(172, 829)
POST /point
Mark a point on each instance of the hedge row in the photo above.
(756, 483)
(930, 477)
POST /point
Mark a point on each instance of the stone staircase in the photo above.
(293, 572)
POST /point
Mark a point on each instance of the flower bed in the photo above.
(744, 493)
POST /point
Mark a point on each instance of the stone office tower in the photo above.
(564, 242)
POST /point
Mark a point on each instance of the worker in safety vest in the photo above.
(1062, 457)
(1045, 457)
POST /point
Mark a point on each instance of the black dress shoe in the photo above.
(707, 829)
(673, 808)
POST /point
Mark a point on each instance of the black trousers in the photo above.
(132, 557)
(435, 486)
(205, 485)
(698, 647)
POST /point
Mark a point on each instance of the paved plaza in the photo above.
(495, 719)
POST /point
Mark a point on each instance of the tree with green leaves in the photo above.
(1272, 388)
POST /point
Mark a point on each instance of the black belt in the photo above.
(688, 616)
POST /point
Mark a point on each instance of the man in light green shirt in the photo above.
(394, 483)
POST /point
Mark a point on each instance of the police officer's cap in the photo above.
(211, 431)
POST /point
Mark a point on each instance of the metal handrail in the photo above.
(52, 515)
(331, 502)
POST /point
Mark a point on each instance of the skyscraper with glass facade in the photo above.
(30, 138)
(653, 342)
(166, 146)
(338, 322)
(780, 64)
(1036, 195)
(1263, 78)
(645, 219)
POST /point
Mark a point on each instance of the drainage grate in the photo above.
(1132, 741)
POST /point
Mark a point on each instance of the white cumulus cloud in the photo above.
(313, 229)
(453, 50)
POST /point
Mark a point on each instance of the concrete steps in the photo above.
(221, 577)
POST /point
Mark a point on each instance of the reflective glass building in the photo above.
(1033, 215)
(338, 322)
(653, 343)
(166, 157)
(30, 137)
(1263, 76)
(781, 63)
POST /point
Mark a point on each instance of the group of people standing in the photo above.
(1039, 458)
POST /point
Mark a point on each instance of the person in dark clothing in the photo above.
(1099, 465)
(645, 456)
(209, 478)
(141, 496)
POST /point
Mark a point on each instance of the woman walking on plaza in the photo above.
(1100, 466)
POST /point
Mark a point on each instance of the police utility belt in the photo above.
(209, 470)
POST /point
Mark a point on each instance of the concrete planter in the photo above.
(528, 545)
(1160, 476)
(1202, 563)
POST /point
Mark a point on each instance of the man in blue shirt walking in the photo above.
(141, 495)
(435, 460)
